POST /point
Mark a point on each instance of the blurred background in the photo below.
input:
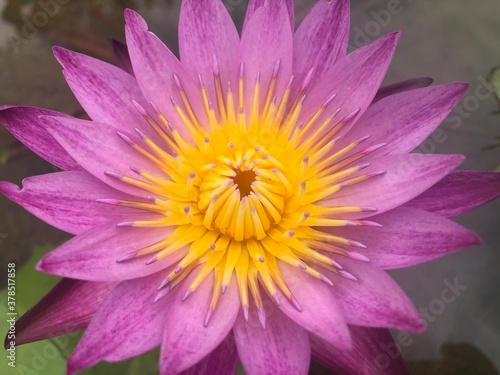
(446, 40)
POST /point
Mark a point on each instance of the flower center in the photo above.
(244, 180)
(247, 191)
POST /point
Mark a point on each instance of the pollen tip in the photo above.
(172, 100)
(329, 100)
(223, 288)
(336, 264)
(210, 311)
(276, 299)
(160, 295)
(187, 209)
(357, 256)
(163, 284)
(113, 175)
(151, 260)
(126, 257)
(125, 224)
(261, 259)
(357, 244)
(276, 68)
(212, 246)
(140, 133)
(291, 233)
(135, 170)
(215, 66)
(245, 313)
(295, 303)
(187, 294)
(178, 269)
(302, 266)
(362, 139)
(257, 77)
(262, 317)
(369, 209)
(327, 280)
(176, 80)
(351, 223)
(155, 108)
(241, 70)
(125, 138)
(151, 199)
(140, 109)
(347, 275)
(370, 223)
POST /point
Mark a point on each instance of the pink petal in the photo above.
(99, 149)
(320, 313)
(223, 360)
(93, 255)
(281, 348)
(406, 177)
(67, 200)
(375, 299)
(266, 39)
(186, 339)
(128, 319)
(154, 67)
(459, 192)
(122, 58)
(67, 307)
(402, 86)
(405, 120)
(354, 80)
(105, 91)
(24, 124)
(322, 37)
(206, 30)
(374, 352)
(409, 236)
(253, 5)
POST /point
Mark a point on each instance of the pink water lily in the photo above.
(242, 203)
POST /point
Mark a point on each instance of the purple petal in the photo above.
(99, 149)
(405, 120)
(320, 313)
(122, 58)
(406, 177)
(459, 192)
(402, 86)
(375, 299)
(253, 5)
(354, 80)
(322, 37)
(24, 124)
(374, 352)
(93, 254)
(409, 236)
(281, 348)
(266, 40)
(105, 91)
(67, 200)
(154, 67)
(186, 339)
(223, 360)
(206, 30)
(128, 319)
(67, 307)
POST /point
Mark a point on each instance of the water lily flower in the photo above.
(242, 203)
